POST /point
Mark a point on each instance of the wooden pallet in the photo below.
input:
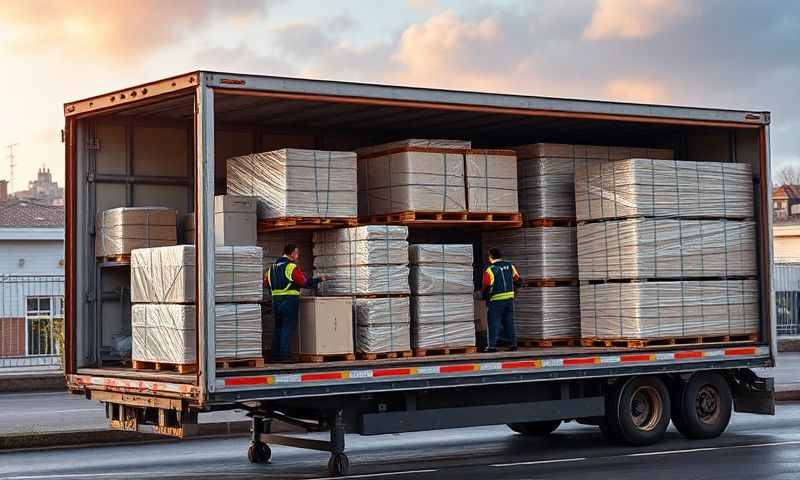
(304, 223)
(328, 357)
(446, 219)
(380, 295)
(254, 362)
(550, 222)
(549, 342)
(165, 367)
(424, 352)
(124, 258)
(377, 355)
(544, 282)
(666, 341)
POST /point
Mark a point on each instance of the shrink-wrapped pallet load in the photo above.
(537, 252)
(491, 181)
(120, 230)
(234, 221)
(542, 313)
(442, 306)
(412, 175)
(296, 183)
(382, 324)
(666, 248)
(167, 274)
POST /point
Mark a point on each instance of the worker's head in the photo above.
(495, 254)
(292, 251)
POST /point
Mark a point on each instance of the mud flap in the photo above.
(753, 394)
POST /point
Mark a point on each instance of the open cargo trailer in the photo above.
(165, 143)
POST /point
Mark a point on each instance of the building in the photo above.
(43, 190)
(785, 202)
(31, 282)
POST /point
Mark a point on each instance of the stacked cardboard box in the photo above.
(371, 261)
(441, 280)
(120, 230)
(234, 221)
(325, 325)
(296, 183)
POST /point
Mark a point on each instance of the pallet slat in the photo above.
(424, 352)
(653, 342)
(548, 342)
(328, 357)
(381, 355)
(304, 223)
(165, 367)
(443, 219)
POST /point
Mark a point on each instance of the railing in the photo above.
(786, 277)
(31, 321)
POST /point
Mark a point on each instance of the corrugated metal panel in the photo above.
(787, 277)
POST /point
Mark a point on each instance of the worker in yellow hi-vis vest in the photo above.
(499, 281)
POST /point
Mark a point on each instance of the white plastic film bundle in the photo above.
(120, 230)
(167, 333)
(296, 183)
(371, 259)
(663, 188)
(666, 248)
(492, 181)
(443, 321)
(167, 274)
(546, 174)
(415, 174)
(547, 312)
(440, 269)
(537, 252)
(382, 324)
(669, 309)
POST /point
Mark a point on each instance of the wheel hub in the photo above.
(646, 408)
(707, 404)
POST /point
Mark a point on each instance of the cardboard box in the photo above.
(234, 221)
(120, 230)
(326, 325)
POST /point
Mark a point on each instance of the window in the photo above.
(44, 317)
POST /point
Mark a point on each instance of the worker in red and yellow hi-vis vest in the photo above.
(499, 281)
(285, 279)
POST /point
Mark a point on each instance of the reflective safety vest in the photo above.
(501, 280)
(279, 276)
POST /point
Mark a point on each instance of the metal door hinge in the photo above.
(93, 144)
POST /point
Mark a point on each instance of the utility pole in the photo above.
(11, 165)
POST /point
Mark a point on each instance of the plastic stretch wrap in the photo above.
(669, 309)
(167, 332)
(443, 335)
(296, 183)
(382, 324)
(167, 274)
(547, 312)
(547, 174)
(422, 175)
(662, 188)
(120, 230)
(421, 254)
(360, 252)
(538, 252)
(666, 248)
(492, 181)
(364, 232)
(365, 280)
(442, 278)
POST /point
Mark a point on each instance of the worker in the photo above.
(284, 280)
(499, 281)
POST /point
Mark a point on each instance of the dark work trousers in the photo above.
(285, 310)
(500, 318)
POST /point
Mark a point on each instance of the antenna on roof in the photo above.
(11, 164)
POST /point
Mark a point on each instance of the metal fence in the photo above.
(787, 297)
(31, 320)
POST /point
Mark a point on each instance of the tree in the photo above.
(788, 175)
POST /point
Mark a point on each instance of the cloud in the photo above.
(637, 91)
(636, 18)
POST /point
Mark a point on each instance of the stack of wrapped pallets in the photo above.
(120, 230)
(369, 263)
(665, 250)
(163, 285)
(442, 317)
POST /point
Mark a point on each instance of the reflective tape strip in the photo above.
(458, 368)
(237, 381)
(523, 364)
(688, 355)
(638, 358)
(393, 372)
(731, 352)
(317, 377)
(570, 362)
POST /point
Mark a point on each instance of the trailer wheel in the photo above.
(259, 453)
(535, 429)
(338, 465)
(705, 406)
(639, 412)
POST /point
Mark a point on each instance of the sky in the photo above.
(737, 54)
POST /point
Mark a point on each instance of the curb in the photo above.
(26, 382)
(788, 393)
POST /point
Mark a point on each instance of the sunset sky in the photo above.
(717, 53)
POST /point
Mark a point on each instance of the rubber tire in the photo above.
(535, 429)
(338, 465)
(677, 391)
(619, 424)
(691, 426)
(259, 453)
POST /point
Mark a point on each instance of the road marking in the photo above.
(539, 462)
(134, 474)
(707, 449)
(46, 412)
(383, 474)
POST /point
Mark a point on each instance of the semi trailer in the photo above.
(164, 143)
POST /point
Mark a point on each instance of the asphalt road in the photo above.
(766, 448)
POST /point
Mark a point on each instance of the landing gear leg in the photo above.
(259, 452)
(339, 464)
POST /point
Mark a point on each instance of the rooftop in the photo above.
(786, 191)
(16, 213)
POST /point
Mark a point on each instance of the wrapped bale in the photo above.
(120, 230)
(538, 252)
(547, 312)
(237, 330)
(167, 274)
(443, 321)
(296, 183)
(382, 324)
(663, 188)
(666, 248)
(492, 181)
(669, 309)
(414, 174)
